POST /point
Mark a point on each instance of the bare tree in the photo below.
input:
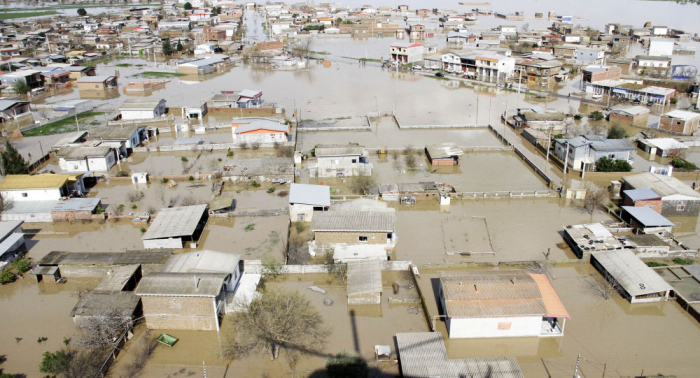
(339, 270)
(362, 183)
(102, 329)
(603, 285)
(135, 196)
(189, 201)
(595, 199)
(142, 350)
(5, 204)
(277, 320)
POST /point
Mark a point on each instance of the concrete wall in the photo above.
(679, 126)
(32, 195)
(671, 208)
(29, 217)
(162, 243)
(73, 165)
(58, 216)
(260, 138)
(365, 299)
(640, 120)
(494, 327)
(306, 211)
(187, 313)
(102, 164)
(350, 237)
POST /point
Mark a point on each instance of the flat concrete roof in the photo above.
(635, 277)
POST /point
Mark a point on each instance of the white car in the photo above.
(596, 96)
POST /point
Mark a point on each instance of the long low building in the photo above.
(176, 225)
(631, 276)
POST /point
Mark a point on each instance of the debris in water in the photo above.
(327, 301)
(317, 289)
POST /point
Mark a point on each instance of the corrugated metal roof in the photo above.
(555, 308)
(612, 145)
(43, 181)
(140, 104)
(182, 284)
(647, 216)
(641, 194)
(77, 204)
(202, 261)
(113, 132)
(350, 221)
(325, 150)
(664, 185)
(364, 277)
(31, 207)
(423, 355)
(444, 151)
(316, 195)
(116, 278)
(7, 227)
(631, 273)
(175, 222)
(665, 143)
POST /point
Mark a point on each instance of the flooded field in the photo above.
(32, 310)
(253, 238)
(613, 335)
(152, 196)
(427, 236)
(354, 328)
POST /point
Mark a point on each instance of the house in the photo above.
(11, 241)
(98, 264)
(134, 108)
(586, 238)
(249, 99)
(406, 53)
(251, 130)
(76, 72)
(677, 198)
(423, 355)
(585, 56)
(446, 154)
(585, 150)
(654, 66)
(206, 48)
(500, 303)
(376, 229)
(642, 197)
(208, 261)
(680, 121)
(507, 29)
(340, 161)
(364, 282)
(539, 119)
(91, 156)
(42, 187)
(306, 199)
(174, 226)
(174, 26)
(628, 115)
(96, 83)
(11, 110)
(631, 277)
(646, 219)
(659, 30)
(416, 31)
(127, 136)
(30, 77)
(661, 47)
(538, 71)
(74, 209)
(204, 65)
(593, 74)
(664, 147)
(490, 67)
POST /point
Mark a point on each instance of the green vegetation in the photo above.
(167, 48)
(62, 126)
(123, 65)
(134, 207)
(82, 12)
(255, 184)
(605, 164)
(21, 264)
(163, 180)
(9, 16)
(680, 163)
(319, 52)
(674, 100)
(142, 229)
(271, 189)
(12, 161)
(21, 87)
(229, 154)
(578, 117)
(6, 276)
(191, 178)
(364, 59)
(654, 264)
(595, 116)
(617, 132)
(187, 6)
(682, 261)
(161, 74)
(184, 159)
(250, 227)
(314, 27)
(179, 47)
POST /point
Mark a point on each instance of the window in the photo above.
(25, 195)
(680, 206)
(362, 239)
(354, 161)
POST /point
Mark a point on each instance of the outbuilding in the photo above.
(629, 116)
(635, 281)
(364, 282)
(645, 219)
(11, 241)
(446, 154)
(664, 147)
(677, 198)
(138, 109)
(176, 225)
(305, 199)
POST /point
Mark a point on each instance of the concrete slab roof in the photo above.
(353, 221)
(175, 222)
(364, 277)
(631, 273)
(181, 284)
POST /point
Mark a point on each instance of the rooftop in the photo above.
(140, 104)
(364, 277)
(316, 195)
(42, 181)
(641, 194)
(681, 114)
(444, 150)
(338, 150)
(182, 284)
(95, 79)
(423, 355)
(202, 262)
(630, 110)
(175, 222)
(7, 227)
(663, 185)
(612, 145)
(647, 217)
(260, 124)
(97, 303)
(77, 204)
(665, 143)
(631, 273)
(113, 132)
(352, 221)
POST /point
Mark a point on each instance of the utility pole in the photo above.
(477, 108)
(566, 159)
(605, 367)
(549, 145)
(520, 80)
(578, 359)
(75, 113)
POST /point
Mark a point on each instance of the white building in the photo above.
(635, 281)
(136, 108)
(500, 303)
(340, 161)
(205, 48)
(259, 130)
(175, 226)
(585, 56)
(43, 187)
(659, 30)
(93, 156)
(405, 53)
(496, 67)
(660, 47)
(304, 199)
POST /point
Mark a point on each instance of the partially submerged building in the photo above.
(635, 281)
(423, 355)
(677, 198)
(175, 226)
(646, 219)
(446, 154)
(139, 109)
(582, 152)
(11, 241)
(680, 122)
(340, 161)
(628, 115)
(364, 282)
(42, 187)
(500, 303)
(259, 131)
(664, 147)
(305, 199)
(586, 238)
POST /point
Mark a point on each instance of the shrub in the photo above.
(616, 132)
(680, 163)
(255, 145)
(674, 100)
(142, 229)
(163, 180)
(605, 164)
(21, 264)
(255, 184)
(134, 207)
(595, 116)
(6, 276)
(682, 261)
(191, 178)
(282, 193)
(184, 159)
(250, 227)
(578, 117)
(271, 189)
(654, 264)
(229, 154)
(99, 210)
(122, 174)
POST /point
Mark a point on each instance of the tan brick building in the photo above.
(680, 121)
(630, 116)
(355, 227)
(592, 74)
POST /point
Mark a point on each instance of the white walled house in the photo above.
(98, 158)
(340, 161)
(508, 303)
(43, 187)
(304, 199)
(404, 53)
(137, 108)
(661, 47)
(494, 67)
(586, 56)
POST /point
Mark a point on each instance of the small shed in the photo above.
(304, 199)
(631, 276)
(176, 225)
(664, 147)
(222, 204)
(74, 209)
(446, 154)
(646, 219)
(642, 197)
(364, 282)
(11, 240)
(46, 273)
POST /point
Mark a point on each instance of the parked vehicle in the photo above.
(440, 74)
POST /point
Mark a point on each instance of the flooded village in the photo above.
(287, 189)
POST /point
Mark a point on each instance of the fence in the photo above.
(256, 267)
(437, 126)
(509, 194)
(527, 160)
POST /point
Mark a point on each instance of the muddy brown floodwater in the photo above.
(626, 337)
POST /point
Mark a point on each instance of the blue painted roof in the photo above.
(641, 194)
(647, 217)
